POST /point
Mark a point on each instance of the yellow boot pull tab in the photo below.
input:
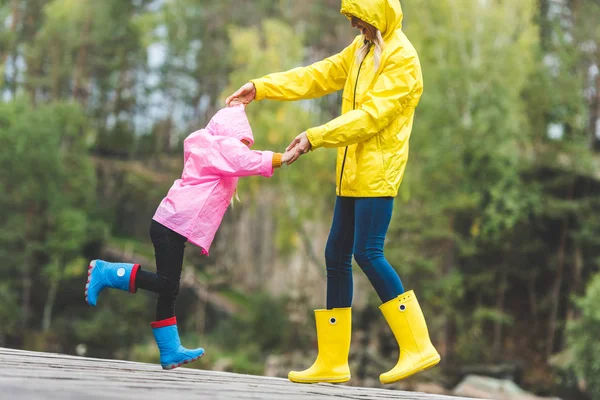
(407, 323)
(333, 336)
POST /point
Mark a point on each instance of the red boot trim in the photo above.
(134, 271)
(164, 322)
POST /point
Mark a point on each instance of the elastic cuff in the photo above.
(315, 137)
(277, 160)
(260, 89)
(165, 322)
(132, 276)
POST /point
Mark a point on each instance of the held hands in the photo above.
(300, 145)
(287, 156)
(243, 95)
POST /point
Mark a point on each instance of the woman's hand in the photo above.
(301, 145)
(245, 94)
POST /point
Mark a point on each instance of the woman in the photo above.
(381, 77)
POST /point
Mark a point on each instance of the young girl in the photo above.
(214, 158)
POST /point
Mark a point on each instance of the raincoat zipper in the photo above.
(353, 107)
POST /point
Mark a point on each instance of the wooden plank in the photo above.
(27, 375)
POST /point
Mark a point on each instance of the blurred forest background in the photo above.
(496, 227)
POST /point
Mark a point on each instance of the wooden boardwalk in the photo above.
(26, 375)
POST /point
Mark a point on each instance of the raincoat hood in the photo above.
(231, 122)
(213, 160)
(378, 102)
(385, 15)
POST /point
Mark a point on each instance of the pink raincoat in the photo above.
(214, 158)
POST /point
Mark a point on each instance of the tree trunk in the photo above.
(545, 26)
(533, 301)
(79, 91)
(201, 316)
(594, 123)
(121, 84)
(55, 70)
(449, 263)
(26, 277)
(558, 280)
(49, 306)
(576, 284)
(497, 346)
(15, 16)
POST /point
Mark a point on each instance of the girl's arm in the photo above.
(227, 156)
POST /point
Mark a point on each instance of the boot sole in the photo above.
(89, 278)
(173, 366)
(322, 380)
(426, 365)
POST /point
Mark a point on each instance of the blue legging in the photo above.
(359, 227)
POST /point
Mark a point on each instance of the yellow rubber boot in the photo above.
(333, 334)
(406, 320)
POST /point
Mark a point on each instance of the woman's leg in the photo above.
(338, 255)
(401, 310)
(334, 325)
(372, 219)
(169, 247)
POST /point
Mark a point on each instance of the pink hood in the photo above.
(214, 158)
(231, 122)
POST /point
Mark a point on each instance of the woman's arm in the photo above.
(398, 84)
(318, 79)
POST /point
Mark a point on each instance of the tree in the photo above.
(49, 181)
(583, 337)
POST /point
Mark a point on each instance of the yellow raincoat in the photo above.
(378, 106)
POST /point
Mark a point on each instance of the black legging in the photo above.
(168, 251)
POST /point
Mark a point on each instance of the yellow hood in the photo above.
(385, 15)
(378, 104)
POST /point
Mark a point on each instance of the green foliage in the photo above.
(583, 337)
(254, 53)
(51, 189)
(263, 324)
(495, 226)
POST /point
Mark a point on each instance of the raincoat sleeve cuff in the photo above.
(277, 160)
(260, 89)
(315, 136)
(266, 167)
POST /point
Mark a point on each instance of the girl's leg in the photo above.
(372, 219)
(338, 255)
(169, 248)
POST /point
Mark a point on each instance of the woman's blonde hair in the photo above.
(377, 42)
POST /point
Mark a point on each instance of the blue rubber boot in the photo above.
(172, 353)
(102, 274)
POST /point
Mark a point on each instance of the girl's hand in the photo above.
(245, 94)
(300, 145)
(287, 156)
